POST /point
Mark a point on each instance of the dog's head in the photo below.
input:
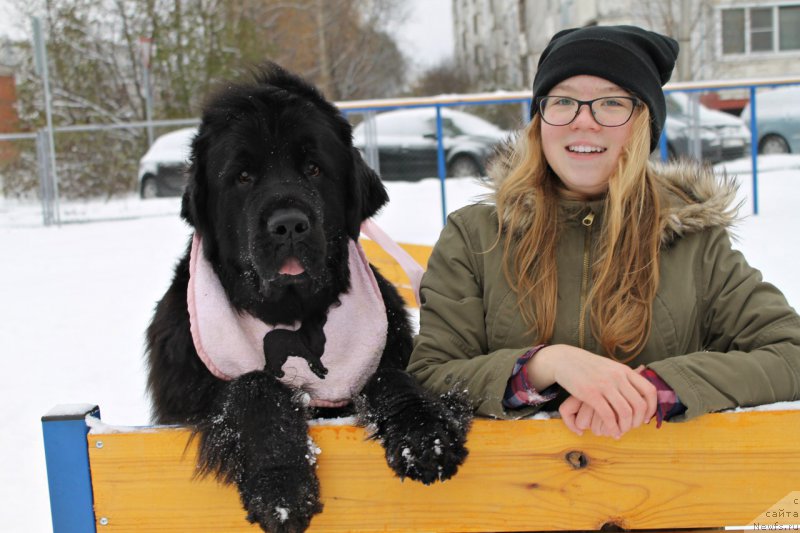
(276, 189)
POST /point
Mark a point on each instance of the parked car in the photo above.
(722, 136)
(777, 120)
(407, 146)
(162, 170)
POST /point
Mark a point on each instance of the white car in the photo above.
(777, 120)
(162, 170)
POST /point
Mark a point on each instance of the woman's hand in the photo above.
(616, 397)
(579, 416)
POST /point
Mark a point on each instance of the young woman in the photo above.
(596, 280)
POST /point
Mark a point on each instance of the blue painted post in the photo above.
(68, 476)
(662, 145)
(440, 159)
(754, 147)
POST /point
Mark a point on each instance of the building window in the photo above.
(789, 24)
(733, 31)
(762, 29)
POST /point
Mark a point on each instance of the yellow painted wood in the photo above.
(718, 470)
(387, 266)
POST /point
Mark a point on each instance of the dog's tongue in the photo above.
(292, 267)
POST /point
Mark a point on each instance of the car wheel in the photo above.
(773, 144)
(149, 188)
(463, 166)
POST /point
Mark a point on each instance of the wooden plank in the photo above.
(718, 470)
(387, 266)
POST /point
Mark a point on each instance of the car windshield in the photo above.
(464, 123)
(420, 122)
(779, 102)
(678, 105)
(171, 147)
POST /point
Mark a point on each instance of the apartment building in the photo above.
(498, 42)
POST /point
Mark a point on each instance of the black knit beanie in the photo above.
(637, 60)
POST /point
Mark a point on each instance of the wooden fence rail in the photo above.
(725, 469)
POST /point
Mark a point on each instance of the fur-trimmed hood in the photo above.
(693, 197)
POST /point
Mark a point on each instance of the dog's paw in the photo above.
(282, 517)
(282, 501)
(426, 439)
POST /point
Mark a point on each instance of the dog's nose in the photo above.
(286, 224)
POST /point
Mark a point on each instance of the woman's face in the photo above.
(583, 153)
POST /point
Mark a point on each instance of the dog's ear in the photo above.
(367, 195)
(195, 193)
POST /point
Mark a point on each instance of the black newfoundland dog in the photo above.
(274, 316)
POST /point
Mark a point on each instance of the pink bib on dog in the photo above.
(230, 343)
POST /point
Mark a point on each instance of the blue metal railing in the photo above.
(438, 102)
(523, 98)
(754, 147)
(441, 167)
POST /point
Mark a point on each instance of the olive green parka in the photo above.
(721, 336)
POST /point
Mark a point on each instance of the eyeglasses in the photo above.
(610, 111)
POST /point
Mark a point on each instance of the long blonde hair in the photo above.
(625, 274)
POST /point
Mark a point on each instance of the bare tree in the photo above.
(444, 77)
(341, 45)
(688, 22)
(96, 67)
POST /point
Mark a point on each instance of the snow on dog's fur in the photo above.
(276, 195)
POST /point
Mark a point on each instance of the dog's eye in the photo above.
(244, 177)
(312, 170)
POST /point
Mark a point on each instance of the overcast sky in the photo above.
(427, 37)
(9, 21)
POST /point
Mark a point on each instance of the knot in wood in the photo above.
(577, 459)
(612, 526)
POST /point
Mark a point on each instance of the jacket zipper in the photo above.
(587, 246)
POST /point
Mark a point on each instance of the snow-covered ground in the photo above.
(76, 300)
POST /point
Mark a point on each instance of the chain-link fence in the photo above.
(101, 163)
(98, 163)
